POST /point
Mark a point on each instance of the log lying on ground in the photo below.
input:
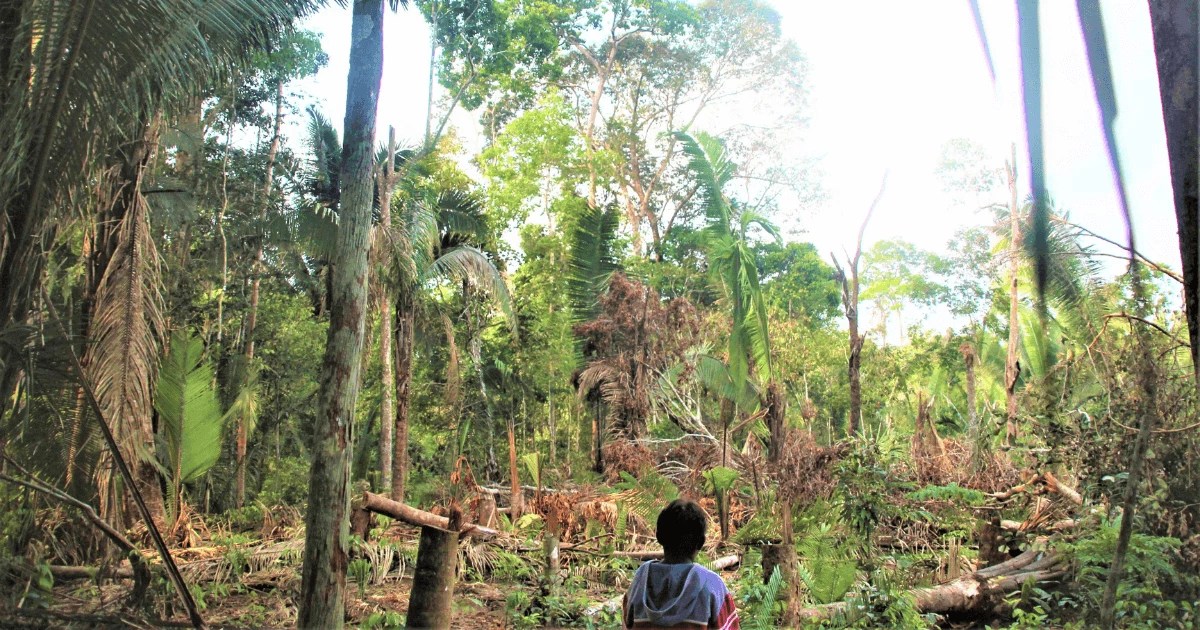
(613, 605)
(978, 592)
(1052, 484)
(380, 504)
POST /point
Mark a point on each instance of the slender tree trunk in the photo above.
(323, 582)
(1176, 29)
(1011, 369)
(552, 424)
(243, 425)
(406, 320)
(968, 352)
(776, 404)
(1146, 406)
(854, 365)
(517, 505)
(387, 411)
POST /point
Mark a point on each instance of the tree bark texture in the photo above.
(854, 364)
(433, 579)
(406, 320)
(1175, 25)
(969, 359)
(323, 582)
(776, 404)
(517, 504)
(1011, 370)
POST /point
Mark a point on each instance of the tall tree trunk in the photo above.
(854, 364)
(1011, 369)
(243, 425)
(387, 411)
(1176, 29)
(323, 582)
(406, 319)
(776, 404)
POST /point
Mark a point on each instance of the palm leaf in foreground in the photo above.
(188, 412)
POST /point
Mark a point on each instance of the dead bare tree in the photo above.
(850, 287)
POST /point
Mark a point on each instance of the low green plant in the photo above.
(384, 620)
(360, 570)
(881, 603)
(763, 613)
(827, 568)
(1149, 575)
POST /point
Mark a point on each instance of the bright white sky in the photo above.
(890, 84)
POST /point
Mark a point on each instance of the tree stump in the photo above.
(433, 580)
(782, 556)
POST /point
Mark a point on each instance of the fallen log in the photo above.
(976, 592)
(1051, 483)
(380, 504)
(1026, 526)
(68, 572)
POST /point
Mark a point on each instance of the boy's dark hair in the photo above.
(681, 527)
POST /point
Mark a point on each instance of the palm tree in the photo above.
(423, 236)
(732, 260)
(431, 241)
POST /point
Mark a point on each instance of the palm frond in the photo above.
(468, 263)
(126, 328)
(717, 377)
(709, 163)
(326, 166)
(188, 410)
(1028, 26)
(592, 259)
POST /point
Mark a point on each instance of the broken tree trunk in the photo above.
(977, 592)
(433, 580)
(380, 504)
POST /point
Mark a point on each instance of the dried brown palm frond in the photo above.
(126, 327)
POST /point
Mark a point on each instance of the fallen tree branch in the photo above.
(380, 504)
(140, 571)
(971, 593)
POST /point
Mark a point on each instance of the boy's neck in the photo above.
(675, 558)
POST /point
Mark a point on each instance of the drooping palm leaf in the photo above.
(709, 163)
(467, 262)
(126, 327)
(1091, 22)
